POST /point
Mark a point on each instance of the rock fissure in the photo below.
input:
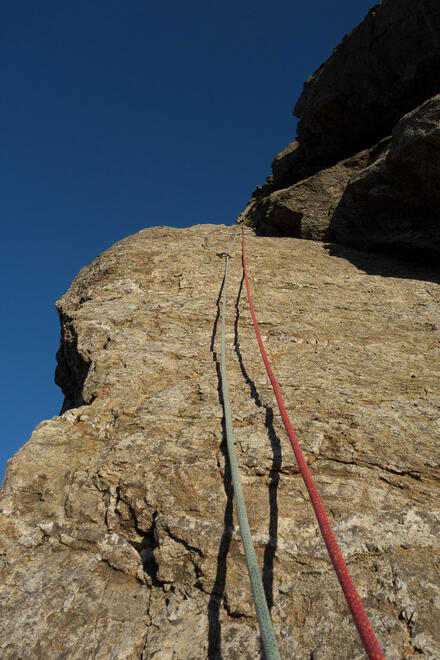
(73, 366)
(372, 466)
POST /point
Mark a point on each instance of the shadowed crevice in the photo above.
(73, 368)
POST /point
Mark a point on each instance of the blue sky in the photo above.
(115, 116)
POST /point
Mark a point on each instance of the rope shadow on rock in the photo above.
(218, 589)
(275, 444)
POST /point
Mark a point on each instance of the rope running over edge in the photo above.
(363, 625)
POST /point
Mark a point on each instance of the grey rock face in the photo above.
(384, 68)
(383, 199)
(118, 536)
(288, 166)
(306, 209)
(394, 203)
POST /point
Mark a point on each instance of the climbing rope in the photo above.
(266, 631)
(366, 633)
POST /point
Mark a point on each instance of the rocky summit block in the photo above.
(384, 199)
(306, 209)
(118, 535)
(394, 203)
(381, 80)
(387, 66)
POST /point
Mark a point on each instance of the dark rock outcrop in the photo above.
(395, 201)
(385, 69)
(305, 209)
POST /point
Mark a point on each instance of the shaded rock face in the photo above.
(306, 208)
(395, 201)
(384, 68)
(118, 532)
(381, 80)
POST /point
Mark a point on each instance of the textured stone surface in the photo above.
(383, 199)
(306, 209)
(385, 67)
(118, 537)
(394, 203)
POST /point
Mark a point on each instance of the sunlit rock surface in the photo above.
(118, 530)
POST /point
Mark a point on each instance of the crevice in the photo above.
(372, 466)
(148, 543)
(408, 621)
(73, 366)
(186, 545)
(146, 551)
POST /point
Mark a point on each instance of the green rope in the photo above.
(266, 631)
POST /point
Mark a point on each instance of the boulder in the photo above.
(383, 70)
(288, 165)
(386, 198)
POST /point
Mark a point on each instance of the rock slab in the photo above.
(118, 531)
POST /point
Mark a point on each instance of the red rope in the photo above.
(366, 632)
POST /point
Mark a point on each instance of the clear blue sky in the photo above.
(120, 115)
